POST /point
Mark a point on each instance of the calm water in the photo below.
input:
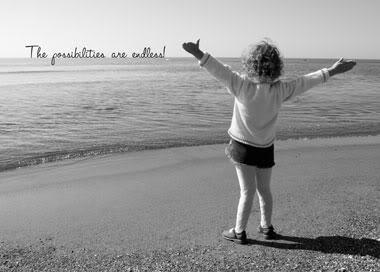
(86, 108)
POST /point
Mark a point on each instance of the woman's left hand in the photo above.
(193, 48)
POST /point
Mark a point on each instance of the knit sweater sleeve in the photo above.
(232, 80)
(300, 85)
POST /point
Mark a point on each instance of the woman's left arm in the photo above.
(232, 80)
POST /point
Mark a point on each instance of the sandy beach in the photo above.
(164, 210)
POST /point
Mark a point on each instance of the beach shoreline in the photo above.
(289, 143)
(153, 208)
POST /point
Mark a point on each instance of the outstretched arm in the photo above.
(306, 82)
(193, 49)
(232, 80)
(341, 66)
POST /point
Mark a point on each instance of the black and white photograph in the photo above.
(173, 135)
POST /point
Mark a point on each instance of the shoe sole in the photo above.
(240, 242)
(270, 237)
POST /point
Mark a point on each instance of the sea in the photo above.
(82, 108)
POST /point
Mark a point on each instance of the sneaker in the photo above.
(269, 233)
(231, 235)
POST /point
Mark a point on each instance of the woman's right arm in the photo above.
(341, 66)
(291, 89)
(306, 82)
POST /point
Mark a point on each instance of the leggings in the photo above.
(252, 179)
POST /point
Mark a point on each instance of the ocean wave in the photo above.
(78, 110)
(85, 153)
(48, 157)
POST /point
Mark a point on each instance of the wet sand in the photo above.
(182, 198)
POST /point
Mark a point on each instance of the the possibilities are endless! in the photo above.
(92, 54)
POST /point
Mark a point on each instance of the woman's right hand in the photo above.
(341, 66)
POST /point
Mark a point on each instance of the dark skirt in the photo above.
(260, 157)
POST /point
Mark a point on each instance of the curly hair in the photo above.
(263, 61)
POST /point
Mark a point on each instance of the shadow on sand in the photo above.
(325, 244)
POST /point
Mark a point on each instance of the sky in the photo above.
(300, 28)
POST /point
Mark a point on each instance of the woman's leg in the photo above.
(263, 176)
(246, 176)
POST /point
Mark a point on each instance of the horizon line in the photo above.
(177, 57)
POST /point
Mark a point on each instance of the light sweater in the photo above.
(256, 105)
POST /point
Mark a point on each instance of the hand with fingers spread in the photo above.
(341, 66)
(193, 48)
